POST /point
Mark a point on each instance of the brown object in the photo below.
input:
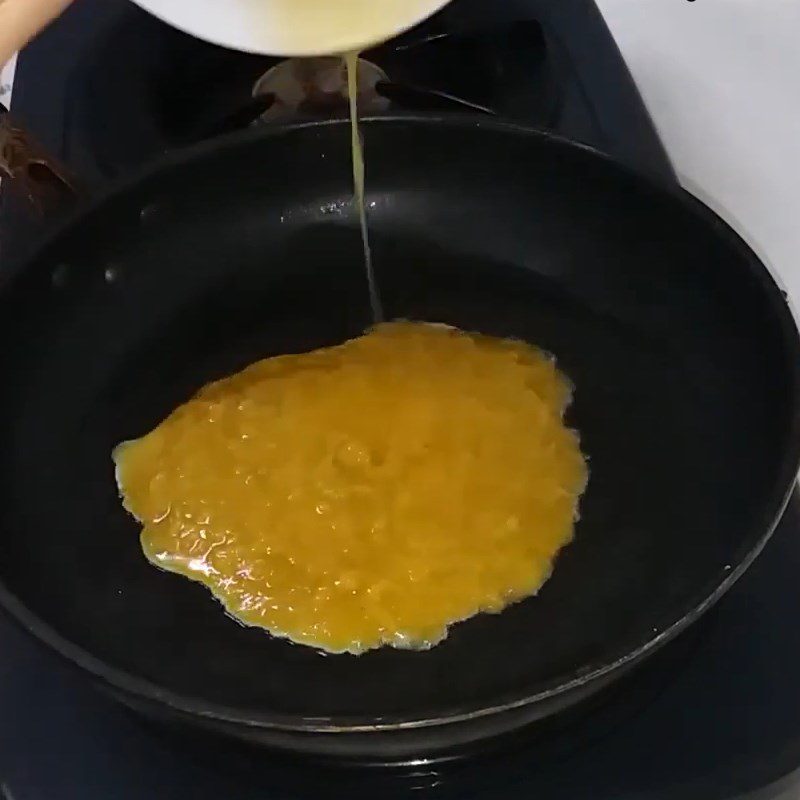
(29, 169)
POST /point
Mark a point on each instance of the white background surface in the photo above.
(6, 81)
(721, 79)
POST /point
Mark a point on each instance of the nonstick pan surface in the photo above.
(682, 350)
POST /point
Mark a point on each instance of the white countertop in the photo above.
(7, 81)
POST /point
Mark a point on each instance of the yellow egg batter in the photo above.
(366, 494)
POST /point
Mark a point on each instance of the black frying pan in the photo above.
(683, 351)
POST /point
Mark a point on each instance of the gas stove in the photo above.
(108, 89)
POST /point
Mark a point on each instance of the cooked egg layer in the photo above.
(366, 494)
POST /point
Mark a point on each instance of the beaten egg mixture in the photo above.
(366, 494)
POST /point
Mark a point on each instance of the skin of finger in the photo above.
(21, 20)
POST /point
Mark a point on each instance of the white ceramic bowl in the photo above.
(293, 27)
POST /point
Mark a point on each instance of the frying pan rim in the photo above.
(122, 681)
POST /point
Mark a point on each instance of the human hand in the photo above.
(21, 20)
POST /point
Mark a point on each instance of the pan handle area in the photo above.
(31, 172)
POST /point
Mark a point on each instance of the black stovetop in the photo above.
(716, 713)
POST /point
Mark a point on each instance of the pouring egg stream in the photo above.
(368, 494)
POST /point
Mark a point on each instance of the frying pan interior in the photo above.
(682, 351)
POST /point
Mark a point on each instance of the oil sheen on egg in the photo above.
(367, 494)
